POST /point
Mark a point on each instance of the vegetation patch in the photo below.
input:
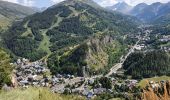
(144, 65)
(36, 94)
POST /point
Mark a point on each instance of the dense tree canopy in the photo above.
(147, 64)
(69, 64)
(5, 68)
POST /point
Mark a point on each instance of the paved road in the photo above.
(122, 60)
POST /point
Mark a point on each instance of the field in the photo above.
(36, 94)
(144, 82)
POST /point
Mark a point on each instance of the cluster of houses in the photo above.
(146, 42)
(36, 74)
(166, 39)
(31, 73)
(85, 87)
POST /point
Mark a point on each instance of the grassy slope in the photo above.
(4, 22)
(144, 82)
(45, 43)
(36, 94)
(28, 30)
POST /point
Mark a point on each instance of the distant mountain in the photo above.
(11, 11)
(73, 36)
(39, 9)
(122, 7)
(144, 12)
(162, 21)
(150, 13)
(138, 8)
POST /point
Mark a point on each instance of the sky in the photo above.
(47, 3)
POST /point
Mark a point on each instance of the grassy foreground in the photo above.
(36, 94)
(144, 82)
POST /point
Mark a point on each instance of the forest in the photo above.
(144, 65)
(69, 64)
(5, 68)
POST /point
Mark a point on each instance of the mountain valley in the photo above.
(77, 47)
(78, 23)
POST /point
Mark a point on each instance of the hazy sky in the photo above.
(47, 3)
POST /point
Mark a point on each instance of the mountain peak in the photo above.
(157, 3)
(142, 4)
(122, 7)
(72, 2)
(122, 4)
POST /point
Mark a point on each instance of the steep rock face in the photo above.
(97, 56)
(157, 91)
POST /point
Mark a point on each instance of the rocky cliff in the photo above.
(97, 55)
(157, 91)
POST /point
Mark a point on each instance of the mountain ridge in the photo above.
(11, 11)
(149, 13)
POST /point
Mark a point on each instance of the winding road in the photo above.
(122, 60)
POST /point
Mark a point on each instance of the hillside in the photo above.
(5, 67)
(138, 9)
(11, 11)
(149, 64)
(63, 29)
(161, 25)
(36, 94)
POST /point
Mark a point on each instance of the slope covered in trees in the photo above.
(147, 64)
(5, 68)
(63, 27)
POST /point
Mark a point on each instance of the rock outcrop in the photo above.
(97, 55)
(157, 91)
